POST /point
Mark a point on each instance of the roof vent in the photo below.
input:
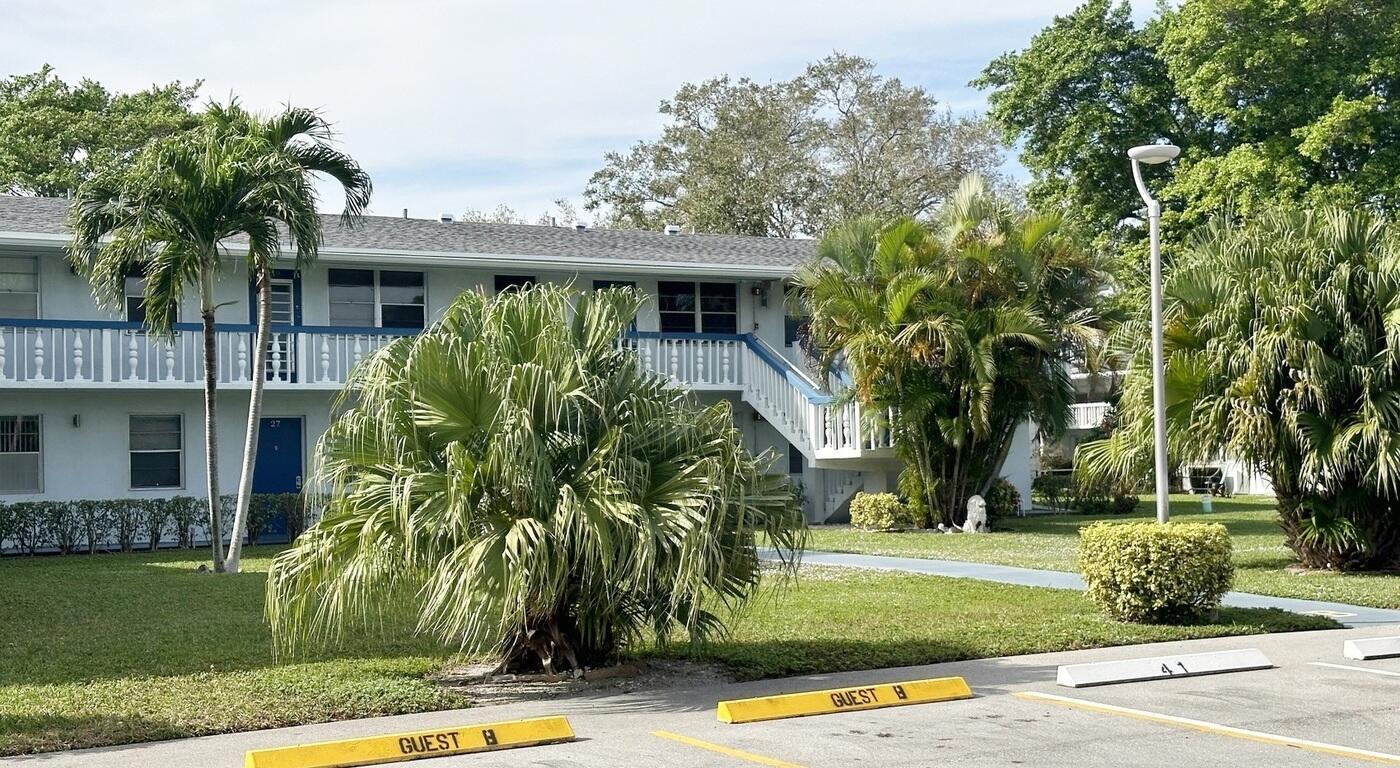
(405, 213)
(580, 226)
(672, 229)
(445, 218)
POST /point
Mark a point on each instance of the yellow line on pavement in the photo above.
(737, 754)
(1216, 728)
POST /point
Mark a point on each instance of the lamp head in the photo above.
(1152, 154)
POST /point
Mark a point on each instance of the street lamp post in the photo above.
(1153, 154)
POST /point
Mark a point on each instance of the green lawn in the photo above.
(122, 648)
(1051, 541)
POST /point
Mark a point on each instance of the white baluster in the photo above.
(3, 376)
(169, 360)
(276, 358)
(675, 360)
(39, 357)
(724, 363)
(358, 353)
(325, 358)
(131, 358)
(77, 357)
(243, 358)
(701, 347)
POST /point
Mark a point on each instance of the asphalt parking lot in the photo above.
(1312, 694)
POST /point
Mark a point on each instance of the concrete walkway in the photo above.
(1350, 615)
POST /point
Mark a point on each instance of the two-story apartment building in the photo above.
(92, 406)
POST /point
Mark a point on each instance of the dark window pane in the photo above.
(402, 316)
(599, 285)
(678, 322)
(19, 434)
(155, 433)
(675, 297)
(155, 470)
(719, 297)
(351, 277)
(794, 328)
(135, 309)
(794, 460)
(506, 282)
(400, 279)
(716, 323)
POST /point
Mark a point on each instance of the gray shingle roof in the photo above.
(388, 233)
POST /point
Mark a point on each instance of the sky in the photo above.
(453, 106)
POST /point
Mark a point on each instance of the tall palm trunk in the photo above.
(250, 441)
(211, 419)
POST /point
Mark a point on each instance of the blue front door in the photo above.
(278, 466)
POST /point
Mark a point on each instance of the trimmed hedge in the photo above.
(879, 512)
(30, 527)
(1150, 572)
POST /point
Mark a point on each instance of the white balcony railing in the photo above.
(1087, 415)
(76, 353)
(810, 418)
(95, 354)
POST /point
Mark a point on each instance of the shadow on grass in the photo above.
(26, 735)
(83, 618)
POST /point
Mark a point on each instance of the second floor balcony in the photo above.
(83, 354)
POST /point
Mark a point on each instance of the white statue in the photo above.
(976, 516)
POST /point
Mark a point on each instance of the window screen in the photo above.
(20, 455)
(157, 448)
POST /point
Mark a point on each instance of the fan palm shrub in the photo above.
(960, 328)
(518, 483)
(1282, 341)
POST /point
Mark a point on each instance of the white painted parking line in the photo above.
(1371, 648)
(1216, 728)
(1385, 672)
(1160, 667)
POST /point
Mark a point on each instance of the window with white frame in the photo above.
(135, 298)
(706, 307)
(368, 298)
(157, 448)
(21, 458)
(19, 286)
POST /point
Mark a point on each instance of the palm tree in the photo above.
(961, 329)
(166, 214)
(514, 479)
(1282, 336)
(300, 139)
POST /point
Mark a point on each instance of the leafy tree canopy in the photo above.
(54, 136)
(960, 329)
(1283, 345)
(793, 157)
(1271, 100)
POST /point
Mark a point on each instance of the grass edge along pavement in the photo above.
(1263, 563)
(114, 649)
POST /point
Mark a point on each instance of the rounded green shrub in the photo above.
(1150, 572)
(879, 512)
(1003, 500)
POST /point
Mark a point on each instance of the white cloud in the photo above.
(455, 105)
